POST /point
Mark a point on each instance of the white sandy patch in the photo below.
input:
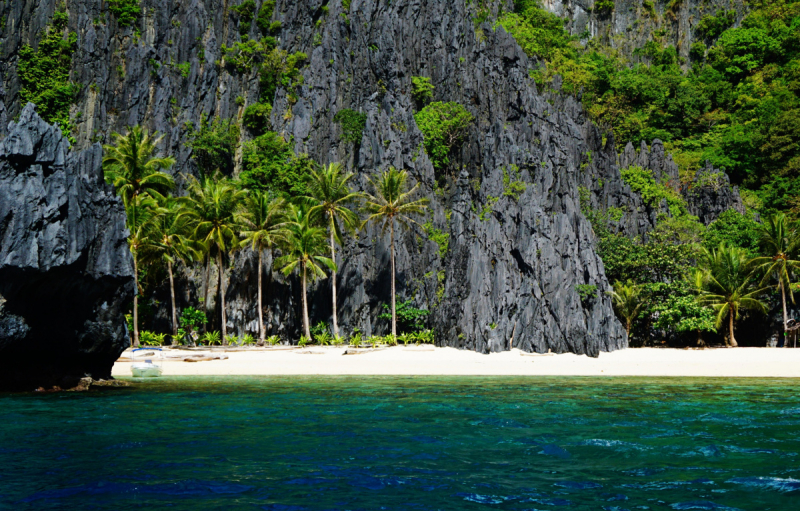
(400, 360)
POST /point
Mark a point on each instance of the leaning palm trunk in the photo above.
(785, 315)
(222, 297)
(333, 287)
(306, 326)
(136, 303)
(732, 339)
(394, 311)
(261, 335)
(172, 296)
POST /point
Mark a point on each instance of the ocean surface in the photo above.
(406, 443)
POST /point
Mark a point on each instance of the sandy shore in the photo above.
(741, 362)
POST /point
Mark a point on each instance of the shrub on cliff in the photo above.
(445, 127)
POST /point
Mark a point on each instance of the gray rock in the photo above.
(65, 269)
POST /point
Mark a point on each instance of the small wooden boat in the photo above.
(145, 368)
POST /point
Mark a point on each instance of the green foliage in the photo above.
(246, 11)
(420, 337)
(321, 334)
(604, 7)
(213, 145)
(683, 314)
(409, 318)
(272, 340)
(445, 127)
(711, 27)
(126, 11)
(211, 338)
(586, 291)
(421, 89)
(274, 67)
(147, 338)
(642, 181)
(441, 238)
(184, 68)
(352, 123)
(733, 229)
(513, 188)
(248, 340)
(264, 19)
(44, 74)
(191, 319)
(232, 340)
(270, 164)
(256, 117)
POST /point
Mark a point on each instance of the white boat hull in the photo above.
(144, 370)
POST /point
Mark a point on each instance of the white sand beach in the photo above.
(413, 360)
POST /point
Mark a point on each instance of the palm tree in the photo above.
(211, 208)
(168, 241)
(393, 201)
(305, 245)
(140, 212)
(728, 286)
(779, 243)
(132, 167)
(628, 302)
(263, 221)
(329, 190)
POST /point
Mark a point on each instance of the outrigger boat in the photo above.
(146, 368)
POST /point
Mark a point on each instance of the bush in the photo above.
(320, 334)
(422, 89)
(213, 145)
(126, 11)
(211, 338)
(256, 117)
(147, 338)
(192, 319)
(604, 7)
(44, 74)
(264, 19)
(445, 127)
(352, 123)
(270, 164)
(408, 317)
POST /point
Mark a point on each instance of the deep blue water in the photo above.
(297, 443)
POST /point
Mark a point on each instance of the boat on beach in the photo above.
(146, 368)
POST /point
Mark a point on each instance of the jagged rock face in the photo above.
(710, 194)
(65, 269)
(511, 273)
(632, 22)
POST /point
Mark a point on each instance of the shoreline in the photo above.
(430, 361)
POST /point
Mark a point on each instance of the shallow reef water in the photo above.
(406, 443)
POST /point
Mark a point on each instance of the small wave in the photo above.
(773, 483)
(578, 485)
(552, 502)
(791, 411)
(703, 505)
(599, 442)
(484, 499)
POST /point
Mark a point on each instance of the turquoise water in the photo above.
(296, 443)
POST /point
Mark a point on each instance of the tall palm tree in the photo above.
(140, 211)
(728, 286)
(779, 242)
(331, 194)
(210, 208)
(132, 167)
(168, 240)
(393, 201)
(263, 221)
(628, 302)
(304, 246)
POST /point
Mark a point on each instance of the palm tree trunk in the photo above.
(222, 297)
(174, 312)
(306, 326)
(732, 339)
(333, 287)
(205, 290)
(394, 311)
(260, 312)
(628, 329)
(785, 315)
(136, 303)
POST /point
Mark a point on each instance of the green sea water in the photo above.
(406, 443)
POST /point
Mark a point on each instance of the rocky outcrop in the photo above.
(66, 273)
(710, 194)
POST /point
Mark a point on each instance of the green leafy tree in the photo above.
(628, 302)
(44, 74)
(779, 241)
(422, 89)
(684, 314)
(304, 247)
(131, 166)
(728, 286)
(213, 145)
(393, 202)
(269, 164)
(332, 198)
(445, 127)
(168, 240)
(126, 11)
(210, 208)
(263, 222)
